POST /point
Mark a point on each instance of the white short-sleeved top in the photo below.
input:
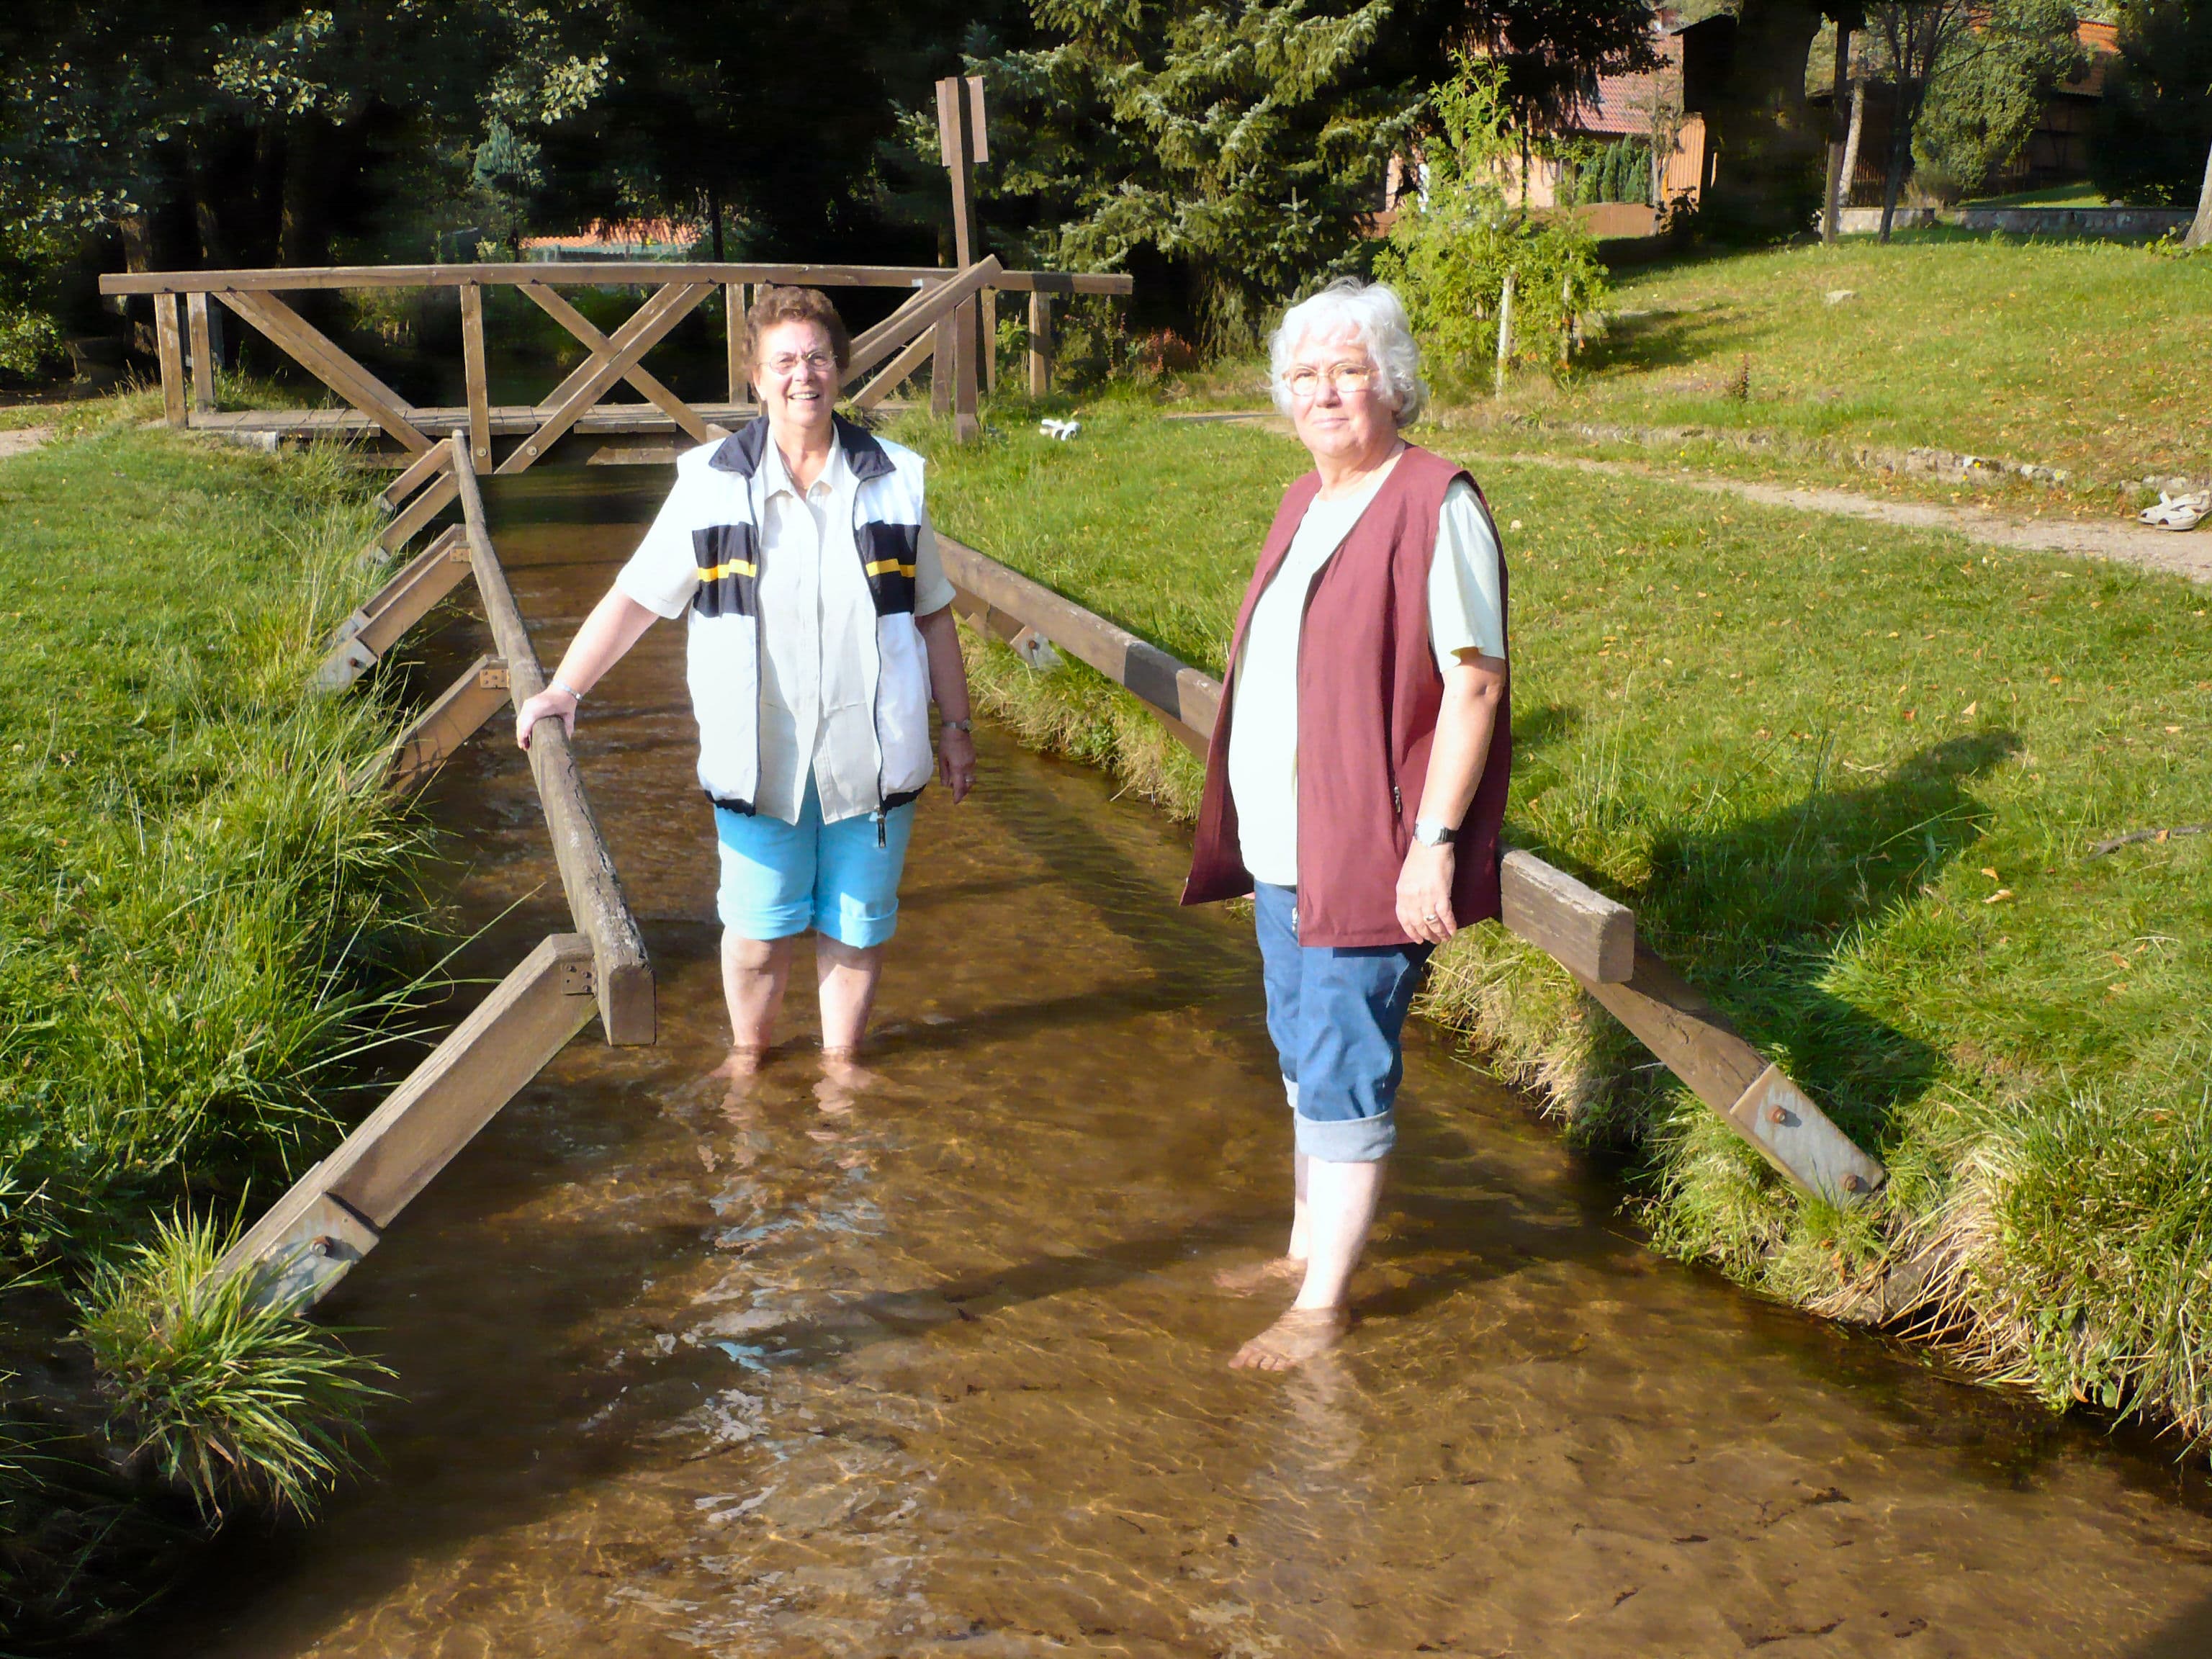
(1465, 614)
(817, 629)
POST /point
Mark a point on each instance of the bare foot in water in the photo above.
(841, 1072)
(1254, 1277)
(1299, 1335)
(742, 1066)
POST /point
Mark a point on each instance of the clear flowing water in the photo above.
(937, 1365)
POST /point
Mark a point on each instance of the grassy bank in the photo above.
(1850, 781)
(2094, 357)
(199, 939)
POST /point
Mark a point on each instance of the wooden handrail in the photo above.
(622, 973)
(594, 273)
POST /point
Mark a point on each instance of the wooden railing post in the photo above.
(170, 348)
(474, 372)
(195, 311)
(1040, 342)
(733, 304)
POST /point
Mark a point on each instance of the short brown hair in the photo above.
(795, 305)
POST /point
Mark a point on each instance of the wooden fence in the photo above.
(943, 323)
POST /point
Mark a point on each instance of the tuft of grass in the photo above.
(1848, 778)
(231, 1403)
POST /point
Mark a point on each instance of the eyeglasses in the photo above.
(1347, 378)
(789, 363)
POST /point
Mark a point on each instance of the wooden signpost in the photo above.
(962, 141)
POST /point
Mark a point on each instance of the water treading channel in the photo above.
(939, 1366)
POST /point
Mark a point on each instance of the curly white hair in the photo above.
(1374, 314)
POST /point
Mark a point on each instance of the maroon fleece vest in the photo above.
(1368, 692)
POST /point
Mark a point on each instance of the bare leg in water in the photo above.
(1288, 1270)
(1339, 1209)
(753, 973)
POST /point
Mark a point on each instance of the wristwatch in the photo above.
(1431, 833)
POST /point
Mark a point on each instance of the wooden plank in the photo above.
(441, 729)
(624, 971)
(340, 1209)
(1682, 1027)
(988, 300)
(734, 308)
(196, 314)
(1802, 1142)
(631, 341)
(898, 371)
(362, 638)
(921, 313)
(419, 472)
(941, 356)
(476, 373)
(1174, 688)
(1040, 342)
(320, 356)
(1593, 936)
(601, 347)
(171, 351)
(588, 273)
(428, 504)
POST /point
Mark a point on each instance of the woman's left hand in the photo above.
(1424, 891)
(955, 762)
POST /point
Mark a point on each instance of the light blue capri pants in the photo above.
(782, 878)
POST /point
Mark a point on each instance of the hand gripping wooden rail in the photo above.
(1592, 936)
(336, 1213)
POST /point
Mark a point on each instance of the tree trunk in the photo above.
(1900, 149)
(1837, 137)
(1851, 140)
(714, 209)
(2200, 233)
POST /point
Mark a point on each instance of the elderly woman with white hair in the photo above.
(1358, 774)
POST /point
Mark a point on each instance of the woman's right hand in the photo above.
(557, 703)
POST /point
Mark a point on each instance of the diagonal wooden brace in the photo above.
(917, 316)
(419, 472)
(432, 500)
(1680, 1025)
(336, 1212)
(321, 356)
(600, 347)
(460, 710)
(896, 374)
(668, 306)
(364, 637)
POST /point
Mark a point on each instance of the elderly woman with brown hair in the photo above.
(820, 630)
(1358, 774)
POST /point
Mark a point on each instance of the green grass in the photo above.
(206, 933)
(1849, 779)
(2080, 195)
(2091, 356)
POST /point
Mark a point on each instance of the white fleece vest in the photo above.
(724, 643)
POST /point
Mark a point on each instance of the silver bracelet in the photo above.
(560, 684)
(957, 726)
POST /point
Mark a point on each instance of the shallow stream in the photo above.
(937, 1365)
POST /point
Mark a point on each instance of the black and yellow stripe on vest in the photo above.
(728, 557)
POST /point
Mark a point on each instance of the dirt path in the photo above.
(2180, 555)
(23, 440)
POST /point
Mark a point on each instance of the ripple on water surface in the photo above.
(935, 1363)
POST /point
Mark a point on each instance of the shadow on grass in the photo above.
(1668, 339)
(1757, 913)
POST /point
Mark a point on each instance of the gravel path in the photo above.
(2180, 554)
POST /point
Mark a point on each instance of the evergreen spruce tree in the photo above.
(1233, 147)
